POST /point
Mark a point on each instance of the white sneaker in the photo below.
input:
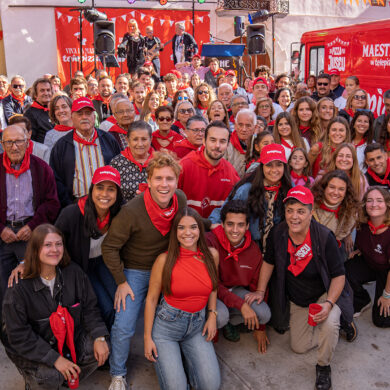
(357, 314)
(118, 383)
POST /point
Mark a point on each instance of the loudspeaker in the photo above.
(255, 34)
(104, 37)
(239, 25)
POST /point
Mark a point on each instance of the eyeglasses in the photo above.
(359, 97)
(164, 119)
(16, 86)
(264, 106)
(198, 131)
(203, 92)
(241, 104)
(123, 112)
(186, 111)
(18, 143)
(322, 84)
(182, 98)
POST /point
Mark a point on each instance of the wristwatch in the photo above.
(100, 338)
(213, 311)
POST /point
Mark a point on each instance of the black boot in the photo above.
(323, 379)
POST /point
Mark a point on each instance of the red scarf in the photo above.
(127, 153)
(80, 140)
(300, 256)
(273, 189)
(236, 143)
(232, 119)
(287, 145)
(326, 208)
(304, 129)
(115, 128)
(178, 124)
(188, 254)
(161, 218)
(25, 165)
(271, 123)
(361, 142)
(350, 112)
(37, 105)
(100, 98)
(216, 73)
(225, 243)
(63, 128)
(184, 143)
(297, 177)
(2, 97)
(136, 109)
(388, 145)
(204, 110)
(385, 180)
(100, 224)
(374, 229)
(20, 99)
(111, 119)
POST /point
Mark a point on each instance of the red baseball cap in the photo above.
(272, 152)
(196, 55)
(230, 73)
(82, 102)
(176, 73)
(260, 80)
(334, 72)
(106, 173)
(301, 194)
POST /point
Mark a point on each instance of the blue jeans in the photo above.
(125, 321)
(104, 286)
(178, 334)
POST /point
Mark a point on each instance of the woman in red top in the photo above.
(177, 326)
(370, 261)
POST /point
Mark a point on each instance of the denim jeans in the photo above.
(104, 286)
(125, 320)
(178, 334)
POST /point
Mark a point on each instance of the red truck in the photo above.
(361, 50)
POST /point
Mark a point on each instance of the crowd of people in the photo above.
(218, 208)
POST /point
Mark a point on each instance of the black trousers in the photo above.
(39, 376)
(359, 272)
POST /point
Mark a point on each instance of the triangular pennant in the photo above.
(192, 22)
(113, 19)
(162, 21)
(59, 14)
(171, 22)
(201, 18)
(152, 19)
(124, 18)
(132, 13)
(142, 16)
(69, 18)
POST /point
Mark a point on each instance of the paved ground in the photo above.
(361, 365)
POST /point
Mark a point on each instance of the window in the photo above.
(317, 59)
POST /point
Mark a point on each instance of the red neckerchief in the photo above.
(286, 144)
(115, 128)
(234, 140)
(80, 140)
(232, 119)
(373, 228)
(216, 73)
(225, 243)
(136, 109)
(63, 128)
(326, 208)
(304, 129)
(62, 326)
(19, 99)
(37, 105)
(184, 143)
(100, 98)
(361, 142)
(200, 107)
(350, 112)
(178, 124)
(235, 86)
(7, 94)
(187, 253)
(127, 153)
(157, 134)
(300, 256)
(271, 123)
(24, 166)
(388, 145)
(385, 180)
(297, 177)
(142, 187)
(100, 224)
(273, 189)
(111, 119)
(161, 218)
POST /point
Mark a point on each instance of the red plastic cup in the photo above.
(314, 308)
(73, 383)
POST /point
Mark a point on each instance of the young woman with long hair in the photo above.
(370, 260)
(384, 135)
(217, 111)
(177, 325)
(320, 153)
(326, 112)
(283, 99)
(203, 96)
(180, 96)
(286, 133)
(306, 117)
(300, 170)
(151, 103)
(358, 99)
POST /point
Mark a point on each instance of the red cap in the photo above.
(230, 73)
(260, 80)
(301, 194)
(106, 173)
(176, 73)
(334, 72)
(196, 55)
(82, 102)
(272, 152)
(148, 63)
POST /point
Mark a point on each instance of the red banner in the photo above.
(163, 22)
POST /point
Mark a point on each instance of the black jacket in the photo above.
(278, 299)
(11, 106)
(63, 160)
(27, 308)
(103, 111)
(317, 98)
(40, 123)
(190, 47)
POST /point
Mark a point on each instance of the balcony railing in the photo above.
(278, 7)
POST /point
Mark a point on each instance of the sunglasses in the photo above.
(203, 92)
(360, 97)
(182, 98)
(164, 118)
(185, 111)
(322, 84)
(16, 86)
